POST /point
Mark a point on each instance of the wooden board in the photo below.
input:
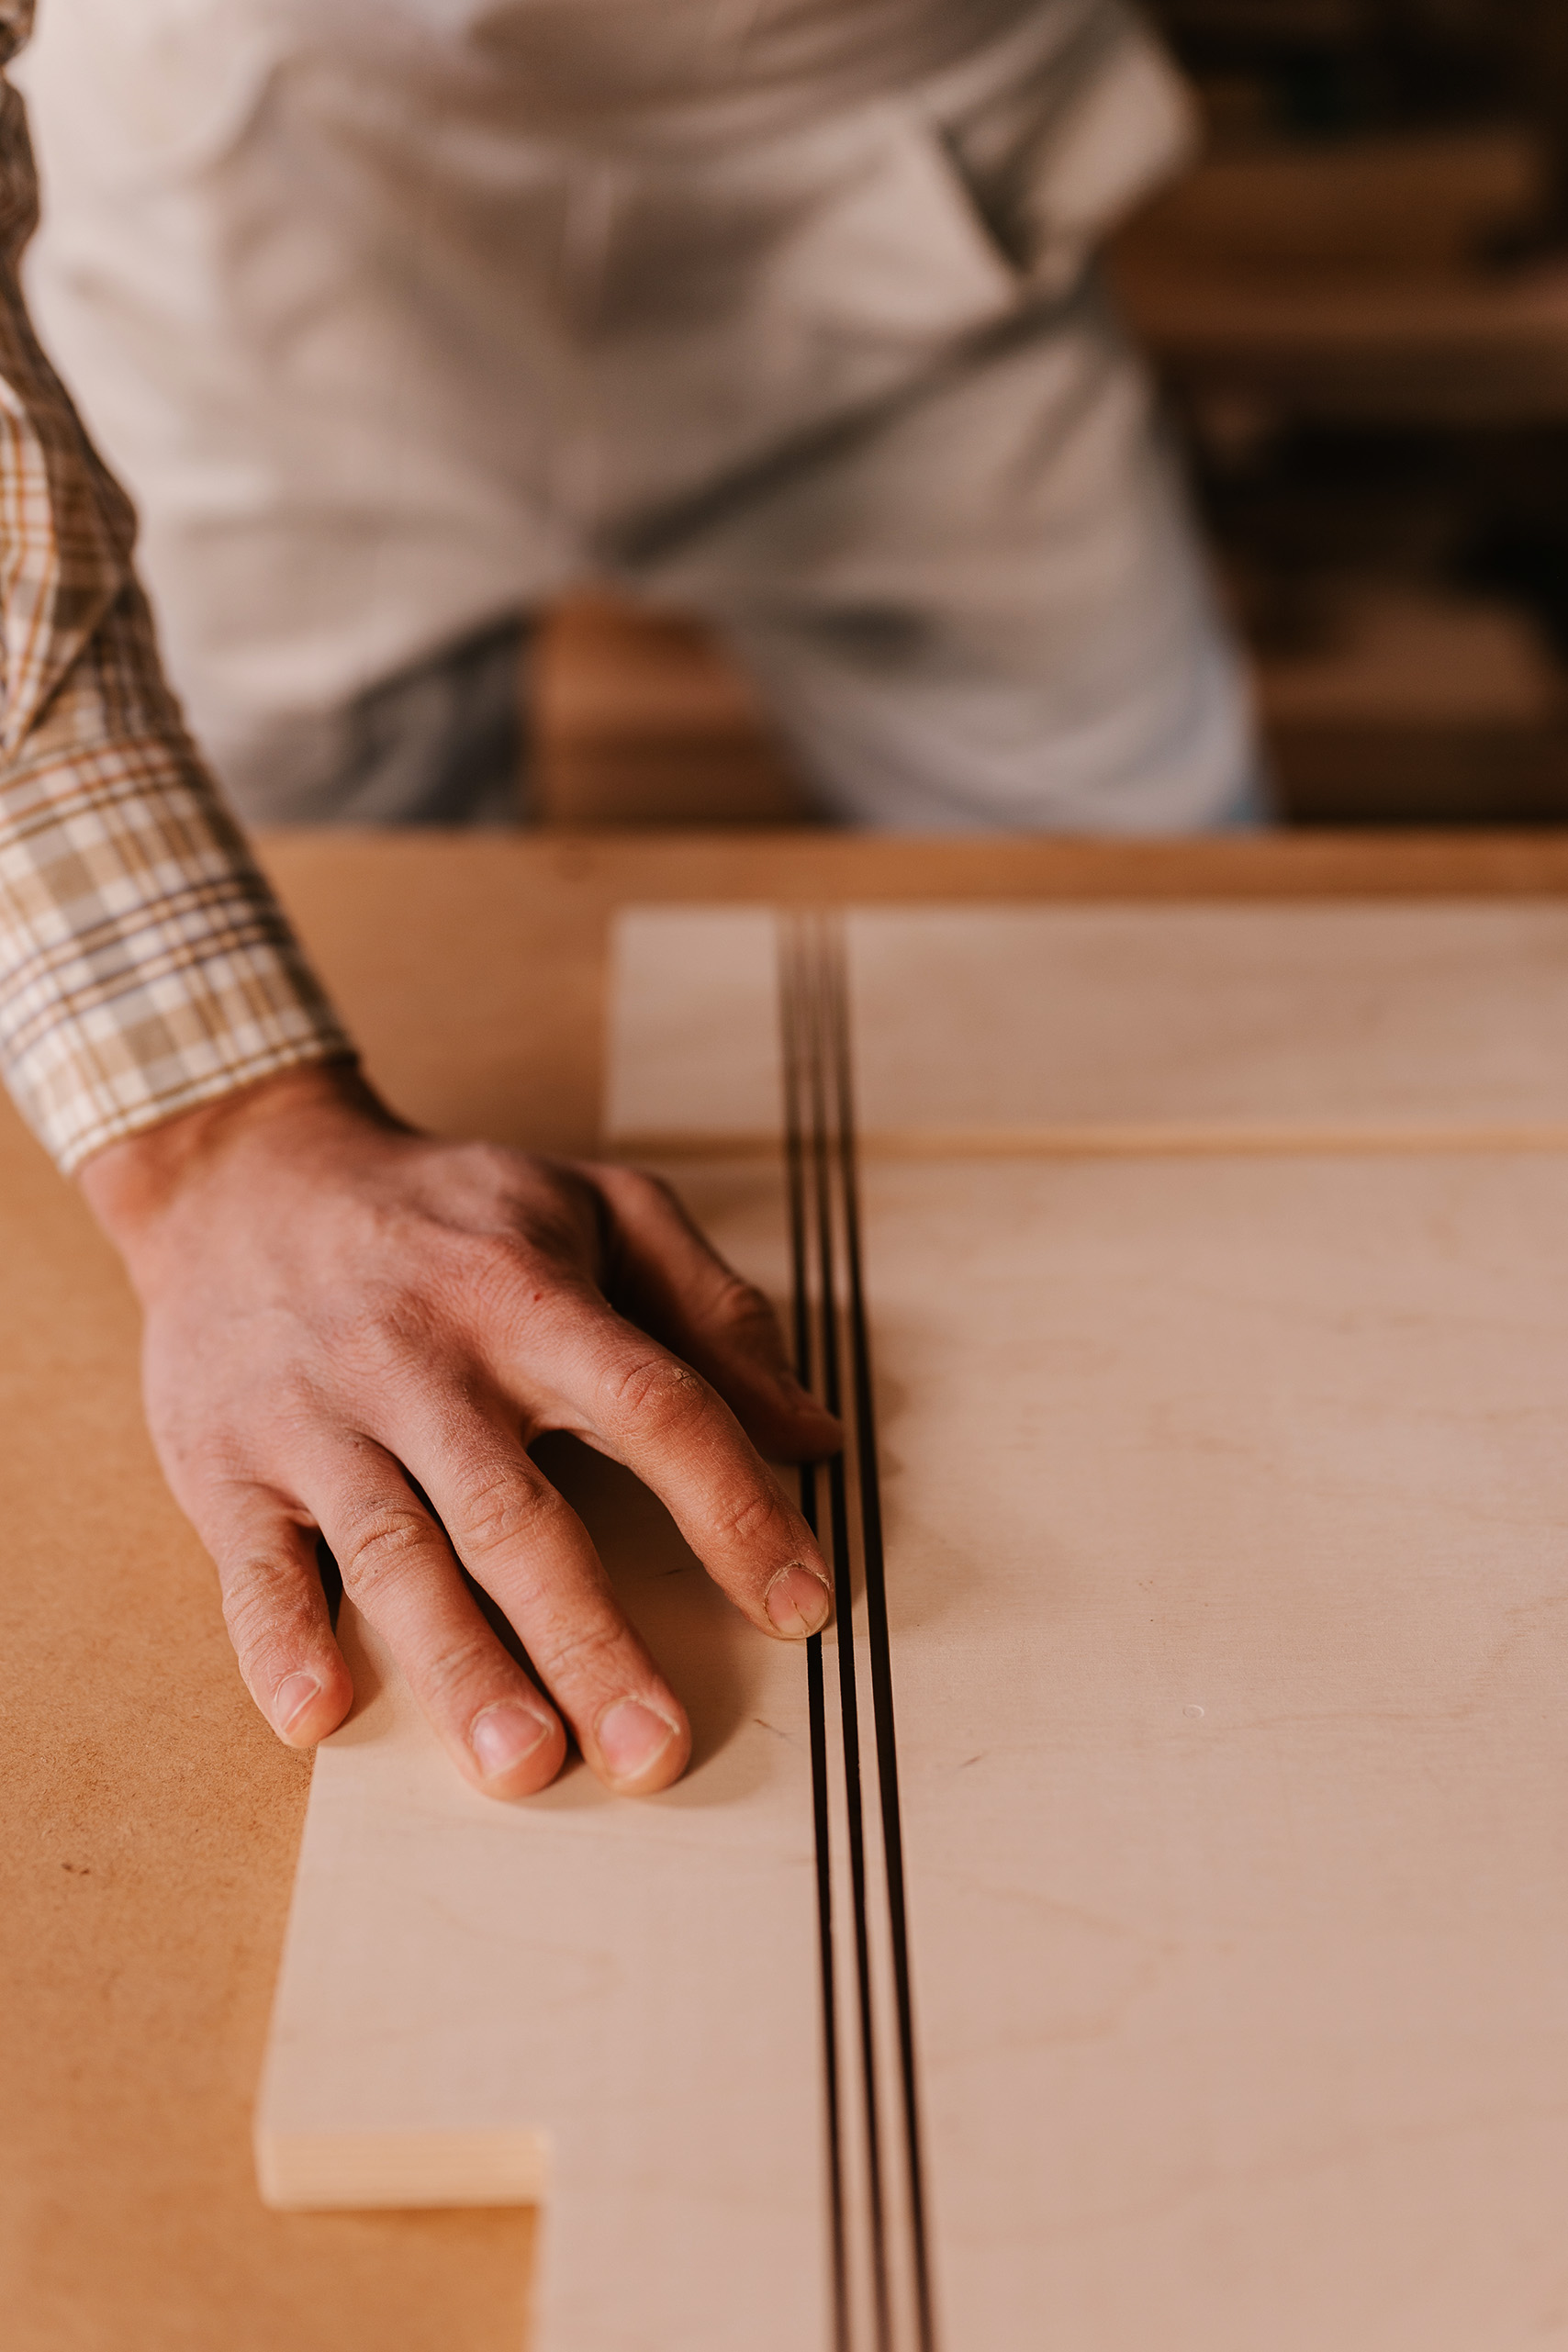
(638, 718)
(1113, 1028)
(1229, 1629)
(1484, 350)
(1418, 203)
(1224, 1506)
(139, 1978)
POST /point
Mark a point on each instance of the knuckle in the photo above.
(555, 1211)
(379, 1542)
(748, 1516)
(509, 1277)
(461, 1674)
(654, 1192)
(263, 1600)
(488, 1165)
(492, 1261)
(743, 1311)
(655, 1390)
(619, 1182)
(576, 1652)
(502, 1510)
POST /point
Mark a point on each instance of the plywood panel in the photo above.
(1062, 1026)
(1224, 1504)
(1225, 1520)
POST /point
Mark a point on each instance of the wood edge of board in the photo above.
(1154, 1140)
(318, 2172)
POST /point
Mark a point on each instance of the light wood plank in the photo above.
(1121, 1029)
(1225, 1506)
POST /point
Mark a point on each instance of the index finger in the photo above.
(668, 1278)
(644, 1406)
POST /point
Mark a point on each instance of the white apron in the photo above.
(399, 315)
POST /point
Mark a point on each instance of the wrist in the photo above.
(130, 1186)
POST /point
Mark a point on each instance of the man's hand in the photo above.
(355, 1330)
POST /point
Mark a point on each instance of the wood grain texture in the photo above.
(1177, 1139)
(1230, 1632)
(151, 1822)
(1070, 1030)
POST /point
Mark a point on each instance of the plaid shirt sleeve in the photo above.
(145, 966)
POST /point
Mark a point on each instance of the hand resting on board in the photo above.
(357, 1329)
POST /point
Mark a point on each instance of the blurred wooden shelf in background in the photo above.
(1379, 280)
(1399, 704)
(1425, 201)
(1359, 305)
(639, 718)
(1417, 706)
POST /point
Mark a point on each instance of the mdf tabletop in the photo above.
(153, 1821)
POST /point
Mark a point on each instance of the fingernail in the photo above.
(502, 1735)
(797, 1601)
(291, 1698)
(631, 1737)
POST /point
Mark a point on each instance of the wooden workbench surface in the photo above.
(150, 1818)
